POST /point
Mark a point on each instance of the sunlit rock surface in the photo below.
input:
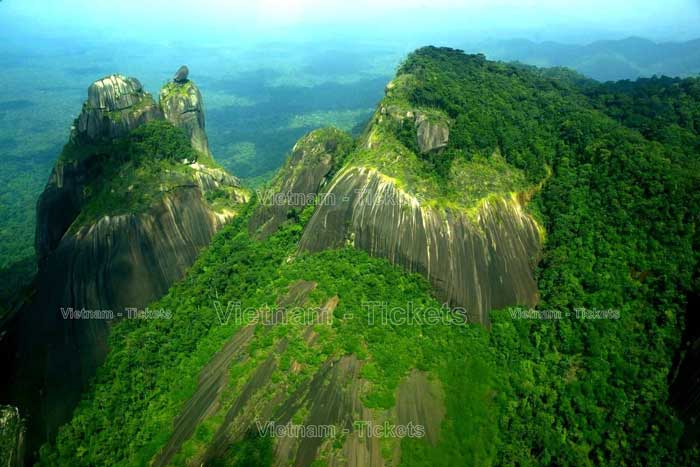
(12, 434)
(480, 262)
(115, 105)
(297, 184)
(431, 135)
(183, 106)
(129, 260)
(332, 395)
(110, 263)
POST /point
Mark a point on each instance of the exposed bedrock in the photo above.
(181, 74)
(331, 396)
(183, 106)
(479, 261)
(132, 259)
(115, 106)
(431, 135)
(119, 262)
(105, 263)
(63, 197)
(299, 180)
(60, 203)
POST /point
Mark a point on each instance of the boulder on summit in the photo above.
(181, 74)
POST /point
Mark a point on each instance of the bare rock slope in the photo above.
(112, 260)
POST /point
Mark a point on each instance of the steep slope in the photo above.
(130, 201)
(128, 207)
(299, 348)
(183, 106)
(312, 163)
(476, 264)
(264, 331)
(467, 231)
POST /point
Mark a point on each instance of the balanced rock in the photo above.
(181, 74)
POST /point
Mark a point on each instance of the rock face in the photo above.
(331, 395)
(181, 74)
(109, 264)
(59, 204)
(210, 179)
(12, 434)
(63, 197)
(431, 135)
(131, 260)
(115, 106)
(299, 181)
(479, 263)
(183, 106)
(120, 262)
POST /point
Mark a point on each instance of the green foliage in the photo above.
(493, 106)
(252, 451)
(620, 215)
(171, 87)
(661, 109)
(617, 192)
(405, 131)
(128, 175)
(159, 140)
(154, 365)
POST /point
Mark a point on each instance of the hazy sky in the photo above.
(277, 19)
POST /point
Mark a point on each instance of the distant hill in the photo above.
(629, 58)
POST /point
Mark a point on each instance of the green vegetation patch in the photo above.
(154, 366)
(130, 174)
(619, 200)
(182, 89)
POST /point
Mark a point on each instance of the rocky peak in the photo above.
(311, 164)
(115, 106)
(119, 254)
(183, 106)
(115, 92)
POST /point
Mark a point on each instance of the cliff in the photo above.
(307, 170)
(183, 106)
(131, 201)
(115, 106)
(467, 231)
(478, 263)
(458, 171)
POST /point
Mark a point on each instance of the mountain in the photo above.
(609, 60)
(344, 298)
(131, 201)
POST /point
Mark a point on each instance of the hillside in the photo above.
(589, 218)
(133, 198)
(609, 60)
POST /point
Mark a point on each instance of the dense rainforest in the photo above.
(611, 174)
